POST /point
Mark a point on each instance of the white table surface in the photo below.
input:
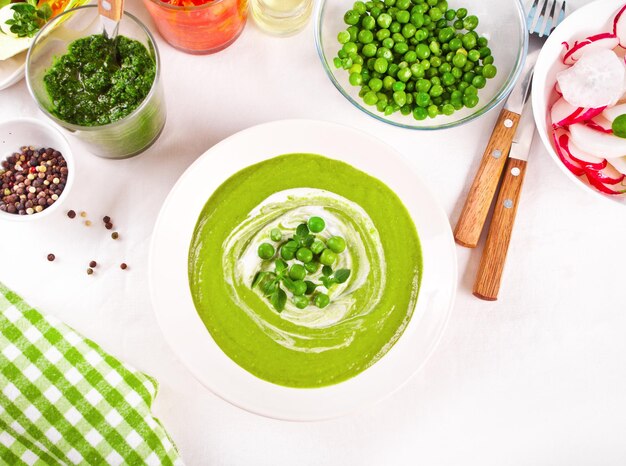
(537, 377)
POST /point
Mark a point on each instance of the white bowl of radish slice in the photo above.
(579, 97)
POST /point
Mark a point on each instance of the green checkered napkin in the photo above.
(63, 400)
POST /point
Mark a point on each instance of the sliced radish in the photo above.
(557, 89)
(596, 142)
(564, 114)
(561, 139)
(599, 123)
(596, 80)
(586, 161)
(604, 41)
(607, 175)
(619, 26)
(611, 113)
(619, 164)
(593, 181)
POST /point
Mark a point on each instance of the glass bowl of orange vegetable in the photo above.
(199, 26)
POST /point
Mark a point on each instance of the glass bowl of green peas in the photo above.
(422, 64)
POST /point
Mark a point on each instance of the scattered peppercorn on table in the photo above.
(536, 377)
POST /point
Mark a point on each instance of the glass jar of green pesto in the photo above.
(107, 94)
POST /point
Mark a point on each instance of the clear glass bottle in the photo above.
(281, 17)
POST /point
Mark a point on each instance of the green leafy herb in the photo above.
(619, 126)
(327, 281)
(342, 275)
(310, 287)
(279, 299)
(327, 270)
(28, 19)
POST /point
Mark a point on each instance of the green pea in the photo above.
(381, 65)
(351, 17)
(469, 41)
(455, 44)
(433, 111)
(359, 7)
(483, 42)
(317, 247)
(470, 101)
(488, 60)
(385, 53)
(436, 90)
(435, 14)
(369, 50)
(410, 56)
(312, 267)
(473, 55)
(471, 90)
(450, 15)
(266, 251)
(349, 47)
(446, 34)
(619, 126)
(484, 52)
(399, 97)
(299, 288)
(388, 82)
(382, 34)
(327, 257)
(336, 244)
(489, 71)
(421, 35)
(479, 82)
(321, 300)
(401, 48)
(403, 4)
(343, 37)
(448, 79)
(297, 272)
(288, 250)
(368, 23)
(375, 85)
(365, 36)
(403, 16)
(370, 98)
(404, 74)
(447, 109)
(470, 22)
(422, 99)
(434, 48)
(435, 62)
(337, 62)
(301, 302)
(304, 255)
(355, 79)
(422, 51)
(458, 25)
(398, 86)
(461, 13)
(276, 234)
(384, 20)
(417, 19)
(395, 27)
(353, 30)
(420, 113)
(388, 43)
(459, 60)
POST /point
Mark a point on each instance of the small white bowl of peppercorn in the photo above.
(36, 169)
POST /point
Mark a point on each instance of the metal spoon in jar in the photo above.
(111, 12)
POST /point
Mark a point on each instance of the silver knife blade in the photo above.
(523, 139)
(519, 94)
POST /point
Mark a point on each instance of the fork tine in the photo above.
(530, 18)
(549, 21)
(561, 14)
(541, 20)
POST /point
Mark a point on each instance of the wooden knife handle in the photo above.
(112, 9)
(480, 196)
(494, 255)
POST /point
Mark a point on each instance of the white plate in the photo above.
(185, 331)
(12, 70)
(595, 18)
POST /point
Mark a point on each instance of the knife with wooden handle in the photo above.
(494, 255)
(481, 193)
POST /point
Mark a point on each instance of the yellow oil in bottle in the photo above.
(281, 17)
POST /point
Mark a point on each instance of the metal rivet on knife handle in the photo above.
(483, 189)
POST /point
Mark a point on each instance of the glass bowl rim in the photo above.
(204, 6)
(113, 124)
(496, 100)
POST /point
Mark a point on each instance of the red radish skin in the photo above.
(571, 150)
(564, 114)
(602, 187)
(608, 175)
(605, 40)
(599, 123)
(561, 136)
(619, 27)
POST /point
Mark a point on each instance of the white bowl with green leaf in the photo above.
(19, 24)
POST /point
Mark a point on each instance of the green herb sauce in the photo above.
(98, 82)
